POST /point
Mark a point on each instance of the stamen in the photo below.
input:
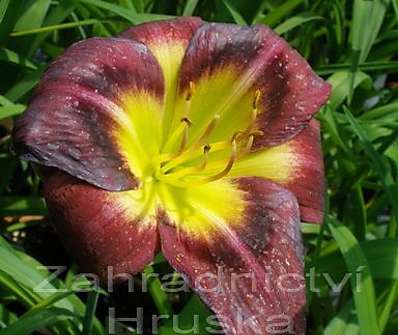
(237, 135)
(195, 153)
(187, 121)
(250, 141)
(184, 142)
(208, 130)
(206, 150)
(190, 91)
(257, 96)
(173, 178)
(228, 167)
(256, 133)
(253, 116)
(182, 127)
(249, 144)
(189, 170)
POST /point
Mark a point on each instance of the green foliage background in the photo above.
(353, 44)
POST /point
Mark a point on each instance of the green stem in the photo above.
(157, 292)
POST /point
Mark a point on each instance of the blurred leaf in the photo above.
(32, 279)
(388, 66)
(344, 322)
(340, 82)
(7, 169)
(194, 307)
(157, 292)
(362, 286)
(7, 111)
(24, 85)
(3, 8)
(10, 17)
(387, 112)
(33, 16)
(13, 205)
(234, 13)
(37, 319)
(56, 15)
(189, 8)
(294, 22)
(388, 181)
(382, 255)
(10, 56)
(57, 27)
(125, 13)
(367, 20)
(89, 315)
(310, 228)
(274, 17)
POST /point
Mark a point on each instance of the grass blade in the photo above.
(280, 12)
(38, 319)
(125, 13)
(34, 16)
(8, 111)
(190, 7)
(89, 315)
(384, 174)
(57, 27)
(234, 13)
(294, 22)
(367, 20)
(3, 8)
(10, 56)
(22, 205)
(362, 287)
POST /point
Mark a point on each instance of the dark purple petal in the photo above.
(250, 272)
(100, 229)
(73, 117)
(253, 60)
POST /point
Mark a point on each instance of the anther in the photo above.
(256, 133)
(187, 121)
(250, 141)
(189, 95)
(249, 144)
(253, 116)
(206, 150)
(257, 96)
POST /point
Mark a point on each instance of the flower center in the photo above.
(198, 162)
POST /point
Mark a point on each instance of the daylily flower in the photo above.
(192, 138)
